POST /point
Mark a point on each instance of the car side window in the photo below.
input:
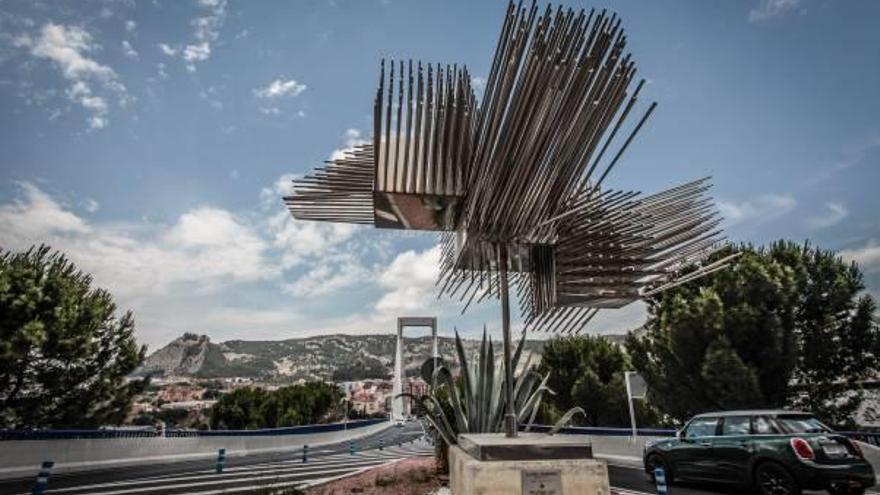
(736, 425)
(763, 426)
(701, 427)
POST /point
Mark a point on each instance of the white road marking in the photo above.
(330, 466)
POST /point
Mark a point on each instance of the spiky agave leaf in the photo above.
(530, 402)
(442, 374)
(467, 388)
(534, 413)
(564, 420)
(478, 404)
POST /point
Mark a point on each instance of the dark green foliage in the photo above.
(838, 339)
(248, 408)
(64, 353)
(360, 369)
(587, 371)
(783, 326)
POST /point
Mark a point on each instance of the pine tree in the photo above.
(786, 326)
(64, 352)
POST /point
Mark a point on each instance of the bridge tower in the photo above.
(397, 409)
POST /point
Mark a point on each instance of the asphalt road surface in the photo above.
(258, 473)
(629, 480)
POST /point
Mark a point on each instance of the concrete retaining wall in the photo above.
(23, 457)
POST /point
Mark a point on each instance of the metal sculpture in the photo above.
(515, 183)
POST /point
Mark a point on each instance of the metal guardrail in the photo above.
(614, 432)
(180, 433)
(868, 437)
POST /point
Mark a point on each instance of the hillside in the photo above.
(327, 357)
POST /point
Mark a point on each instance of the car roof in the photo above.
(751, 412)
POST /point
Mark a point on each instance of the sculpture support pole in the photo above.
(510, 427)
(397, 385)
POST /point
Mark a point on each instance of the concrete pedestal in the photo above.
(531, 464)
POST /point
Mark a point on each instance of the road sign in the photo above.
(638, 389)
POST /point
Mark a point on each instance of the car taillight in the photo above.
(802, 449)
(854, 448)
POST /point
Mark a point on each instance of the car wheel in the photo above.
(655, 461)
(773, 479)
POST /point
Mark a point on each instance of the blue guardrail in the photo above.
(608, 432)
(868, 437)
(180, 433)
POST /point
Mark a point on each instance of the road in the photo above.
(257, 473)
(633, 481)
(260, 473)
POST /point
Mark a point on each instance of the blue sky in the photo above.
(152, 142)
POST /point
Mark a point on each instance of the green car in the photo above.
(776, 452)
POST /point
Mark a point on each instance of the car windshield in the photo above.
(801, 424)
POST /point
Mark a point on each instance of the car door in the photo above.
(732, 448)
(691, 457)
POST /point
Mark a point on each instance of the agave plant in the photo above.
(476, 404)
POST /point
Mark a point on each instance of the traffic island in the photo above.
(530, 464)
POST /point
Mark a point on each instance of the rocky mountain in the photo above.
(327, 357)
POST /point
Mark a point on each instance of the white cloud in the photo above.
(835, 213)
(204, 247)
(206, 31)
(298, 240)
(352, 138)
(91, 205)
(81, 93)
(478, 84)
(759, 209)
(130, 25)
(867, 256)
(610, 321)
(160, 71)
(129, 50)
(283, 186)
(68, 47)
(279, 88)
(197, 53)
(332, 274)
(36, 214)
(179, 276)
(409, 282)
(167, 49)
(770, 9)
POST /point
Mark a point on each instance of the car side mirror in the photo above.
(678, 434)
